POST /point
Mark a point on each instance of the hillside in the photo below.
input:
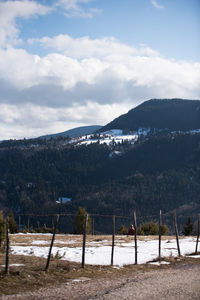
(75, 132)
(146, 173)
(170, 114)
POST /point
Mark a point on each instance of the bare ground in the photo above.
(180, 280)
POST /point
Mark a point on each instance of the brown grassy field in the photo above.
(69, 240)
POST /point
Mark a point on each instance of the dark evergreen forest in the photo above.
(158, 172)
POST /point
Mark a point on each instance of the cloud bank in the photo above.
(81, 81)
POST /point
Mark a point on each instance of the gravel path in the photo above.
(180, 282)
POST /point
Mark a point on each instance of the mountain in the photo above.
(75, 132)
(110, 173)
(169, 114)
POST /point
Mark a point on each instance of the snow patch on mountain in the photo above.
(113, 136)
(118, 136)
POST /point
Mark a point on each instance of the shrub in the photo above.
(79, 222)
(164, 229)
(152, 228)
(123, 230)
(12, 224)
(188, 228)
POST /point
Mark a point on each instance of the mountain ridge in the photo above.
(74, 132)
(171, 114)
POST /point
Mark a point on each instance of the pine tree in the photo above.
(12, 224)
(2, 229)
(79, 222)
(188, 228)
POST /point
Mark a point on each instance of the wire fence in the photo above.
(111, 222)
(99, 223)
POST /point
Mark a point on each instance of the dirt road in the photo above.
(178, 282)
(181, 283)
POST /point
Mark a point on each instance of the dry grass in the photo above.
(68, 240)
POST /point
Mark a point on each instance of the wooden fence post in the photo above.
(52, 241)
(135, 225)
(176, 231)
(159, 244)
(198, 232)
(84, 240)
(113, 239)
(7, 247)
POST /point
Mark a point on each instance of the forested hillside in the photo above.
(158, 172)
(169, 114)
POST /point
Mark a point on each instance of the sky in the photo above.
(71, 63)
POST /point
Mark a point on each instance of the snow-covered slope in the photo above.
(117, 136)
(110, 137)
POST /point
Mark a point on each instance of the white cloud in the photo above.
(96, 62)
(81, 81)
(85, 47)
(31, 120)
(157, 5)
(9, 11)
(73, 8)
(63, 90)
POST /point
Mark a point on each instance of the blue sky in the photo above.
(172, 27)
(71, 63)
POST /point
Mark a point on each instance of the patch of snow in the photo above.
(123, 254)
(113, 132)
(158, 263)
(14, 265)
(194, 256)
(115, 153)
(31, 234)
(39, 242)
(143, 131)
(194, 131)
(81, 279)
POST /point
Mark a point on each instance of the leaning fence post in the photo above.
(7, 247)
(135, 225)
(159, 244)
(198, 231)
(176, 231)
(84, 241)
(52, 241)
(113, 239)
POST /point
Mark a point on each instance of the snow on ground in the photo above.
(13, 265)
(114, 135)
(124, 253)
(39, 242)
(118, 136)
